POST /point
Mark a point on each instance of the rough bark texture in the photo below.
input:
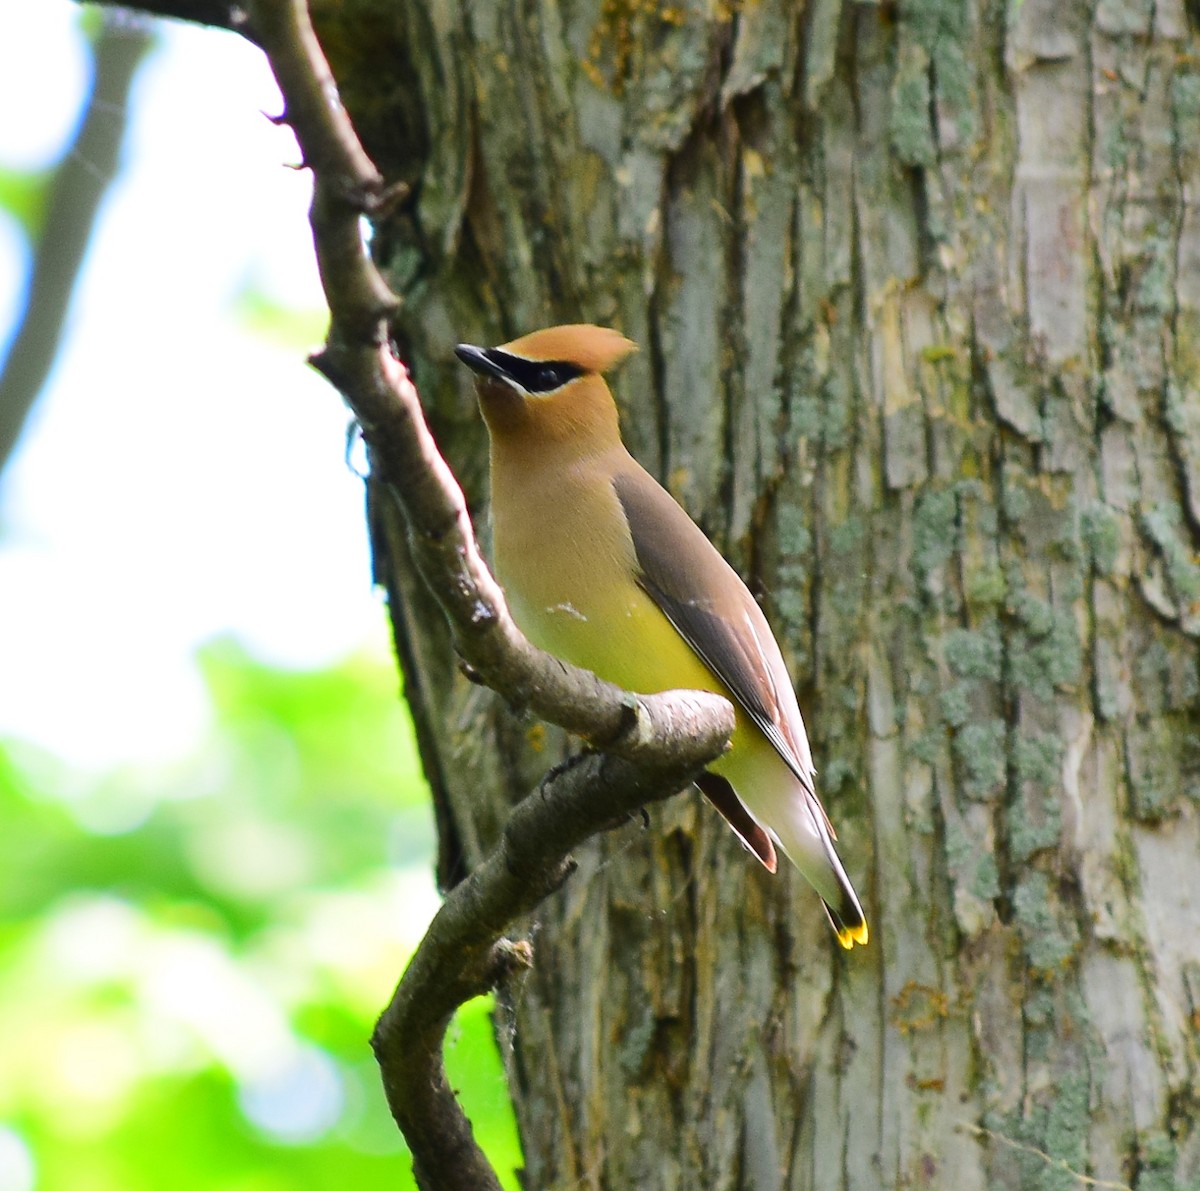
(918, 291)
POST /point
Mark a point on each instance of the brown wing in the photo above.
(711, 608)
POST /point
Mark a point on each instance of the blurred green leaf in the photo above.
(297, 330)
(475, 1071)
(23, 195)
(168, 938)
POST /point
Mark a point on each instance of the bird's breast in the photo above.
(565, 557)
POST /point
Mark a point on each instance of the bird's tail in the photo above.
(801, 828)
(792, 817)
(848, 920)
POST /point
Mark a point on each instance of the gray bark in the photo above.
(918, 292)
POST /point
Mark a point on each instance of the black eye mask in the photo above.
(534, 376)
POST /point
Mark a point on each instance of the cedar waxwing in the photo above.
(601, 567)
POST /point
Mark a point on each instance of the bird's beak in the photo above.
(477, 361)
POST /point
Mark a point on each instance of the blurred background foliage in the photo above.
(191, 959)
(195, 940)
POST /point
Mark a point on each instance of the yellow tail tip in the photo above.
(849, 935)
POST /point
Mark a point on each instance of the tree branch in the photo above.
(79, 185)
(656, 744)
(463, 954)
(219, 14)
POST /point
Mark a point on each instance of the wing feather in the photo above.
(711, 608)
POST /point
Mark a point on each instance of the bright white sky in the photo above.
(180, 479)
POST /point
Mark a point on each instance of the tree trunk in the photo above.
(918, 293)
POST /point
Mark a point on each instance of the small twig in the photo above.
(1049, 1159)
(656, 745)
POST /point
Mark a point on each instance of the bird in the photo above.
(603, 568)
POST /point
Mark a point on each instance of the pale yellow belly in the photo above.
(621, 636)
(566, 561)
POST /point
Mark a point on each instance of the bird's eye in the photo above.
(535, 376)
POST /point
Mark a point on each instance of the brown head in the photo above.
(549, 386)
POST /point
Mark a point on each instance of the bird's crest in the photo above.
(594, 349)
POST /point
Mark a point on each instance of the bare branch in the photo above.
(657, 745)
(80, 183)
(463, 954)
(219, 14)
